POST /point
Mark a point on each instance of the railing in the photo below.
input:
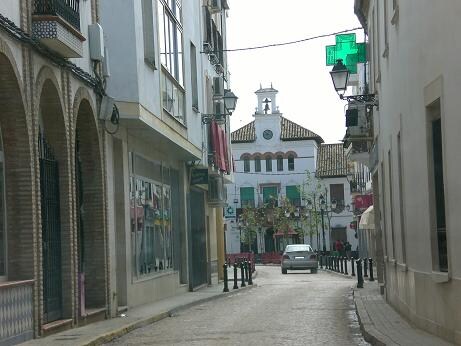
(69, 10)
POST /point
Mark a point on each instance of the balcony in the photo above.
(56, 23)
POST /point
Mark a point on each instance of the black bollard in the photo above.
(226, 287)
(242, 274)
(365, 267)
(321, 261)
(336, 264)
(236, 286)
(250, 275)
(341, 262)
(345, 266)
(371, 270)
(353, 266)
(359, 274)
(245, 265)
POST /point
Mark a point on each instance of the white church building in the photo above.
(271, 157)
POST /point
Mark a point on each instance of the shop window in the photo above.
(150, 214)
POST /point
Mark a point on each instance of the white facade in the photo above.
(416, 75)
(161, 93)
(269, 136)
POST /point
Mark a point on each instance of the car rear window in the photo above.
(300, 247)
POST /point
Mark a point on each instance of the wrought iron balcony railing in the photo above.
(69, 10)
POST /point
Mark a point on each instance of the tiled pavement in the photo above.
(381, 324)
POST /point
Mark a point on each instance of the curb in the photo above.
(368, 333)
(116, 333)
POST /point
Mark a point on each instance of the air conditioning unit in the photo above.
(217, 193)
(215, 6)
(218, 87)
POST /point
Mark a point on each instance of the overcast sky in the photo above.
(306, 95)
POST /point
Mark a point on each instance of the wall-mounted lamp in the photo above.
(230, 102)
(340, 77)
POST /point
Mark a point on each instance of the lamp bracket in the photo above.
(365, 99)
(219, 118)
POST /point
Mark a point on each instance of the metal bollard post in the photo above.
(321, 261)
(337, 264)
(341, 262)
(353, 266)
(359, 274)
(250, 274)
(365, 267)
(242, 274)
(226, 287)
(371, 270)
(236, 286)
(330, 264)
(245, 266)
(345, 266)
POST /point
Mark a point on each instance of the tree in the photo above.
(312, 189)
(249, 222)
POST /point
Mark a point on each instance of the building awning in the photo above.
(367, 220)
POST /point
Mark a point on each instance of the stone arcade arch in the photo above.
(90, 212)
(55, 196)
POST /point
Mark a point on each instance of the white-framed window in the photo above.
(150, 217)
(246, 164)
(171, 56)
(268, 163)
(291, 163)
(257, 164)
(279, 163)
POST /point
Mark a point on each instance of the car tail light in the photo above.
(286, 257)
(313, 256)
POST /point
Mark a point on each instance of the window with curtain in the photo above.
(291, 163)
(247, 197)
(268, 164)
(257, 164)
(279, 163)
(337, 194)
(293, 195)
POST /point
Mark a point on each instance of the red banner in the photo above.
(363, 201)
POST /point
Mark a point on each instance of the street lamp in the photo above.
(324, 209)
(230, 102)
(340, 77)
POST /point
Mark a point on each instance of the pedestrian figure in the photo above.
(348, 248)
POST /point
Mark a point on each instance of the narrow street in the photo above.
(295, 309)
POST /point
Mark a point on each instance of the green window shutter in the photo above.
(292, 192)
(268, 192)
(247, 193)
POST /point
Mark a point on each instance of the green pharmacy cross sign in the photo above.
(348, 50)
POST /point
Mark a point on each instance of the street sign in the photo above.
(229, 212)
(348, 50)
(199, 176)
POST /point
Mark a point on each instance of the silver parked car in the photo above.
(299, 256)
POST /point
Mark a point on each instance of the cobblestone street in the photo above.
(295, 309)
